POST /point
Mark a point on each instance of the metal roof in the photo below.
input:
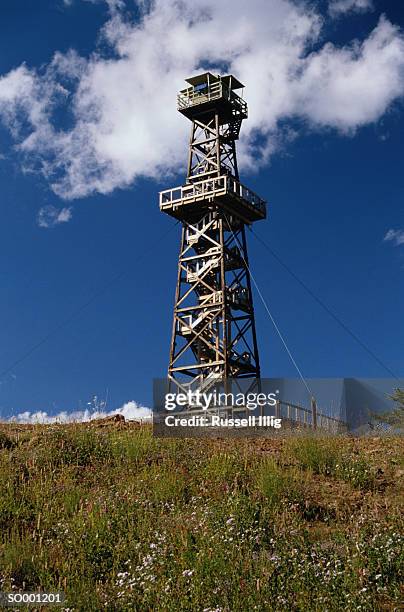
(232, 82)
(229, 80)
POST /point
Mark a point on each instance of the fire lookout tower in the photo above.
(213, 336)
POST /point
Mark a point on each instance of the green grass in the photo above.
(328, 457)
(122, 521)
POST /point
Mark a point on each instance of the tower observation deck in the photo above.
(213, 335)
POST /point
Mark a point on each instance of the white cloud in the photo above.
(396, 236)
(49, 216)
(121, 122)
(131, 411)
(340, 7)
(350, 87)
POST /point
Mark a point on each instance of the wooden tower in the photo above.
(213, 335)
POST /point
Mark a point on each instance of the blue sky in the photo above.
(89, 138)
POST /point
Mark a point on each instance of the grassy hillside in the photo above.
(122, 521)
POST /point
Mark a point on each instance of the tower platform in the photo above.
(210, 94)
(189, 201)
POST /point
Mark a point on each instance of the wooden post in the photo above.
(314, 413)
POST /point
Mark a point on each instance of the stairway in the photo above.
(206, 316)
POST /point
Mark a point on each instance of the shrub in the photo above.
(277, 484)
(318, 455)
(5, 441)
(356, 471)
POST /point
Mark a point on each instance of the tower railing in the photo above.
(214, 91)
(246, 194)
(210, 188)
